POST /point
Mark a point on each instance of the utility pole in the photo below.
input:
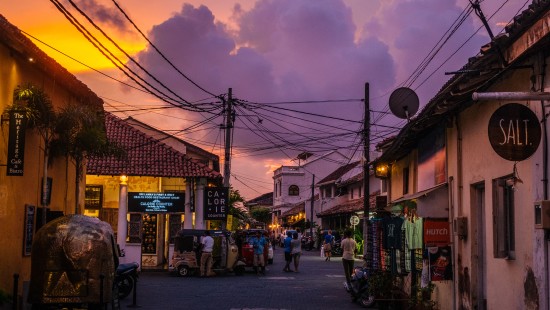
(228, 126)
(311, 206)
(227, 158)
(366, 175)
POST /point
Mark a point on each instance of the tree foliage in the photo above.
(261, 214)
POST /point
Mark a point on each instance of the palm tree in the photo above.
(80, 132)
(38, 107)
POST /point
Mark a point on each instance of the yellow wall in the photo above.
(17, 191)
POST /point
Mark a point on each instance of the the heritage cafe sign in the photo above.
(16, 143)
(514, 132)
(216, 203)
(156, 202)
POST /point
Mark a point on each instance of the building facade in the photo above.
(473, 166)
(296, 184)
(21, 212)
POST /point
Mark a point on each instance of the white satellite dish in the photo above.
(404, 102)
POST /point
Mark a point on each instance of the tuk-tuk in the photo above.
(186, 258)
(73, 264)
(246, 251)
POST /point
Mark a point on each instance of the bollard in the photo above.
(101, 282)
(134, 295)
(15, 288)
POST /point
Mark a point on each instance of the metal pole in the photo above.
(366, 189)
(311, 206)
(228, 126)
(543, 96)
(227, 159)
(15, 291)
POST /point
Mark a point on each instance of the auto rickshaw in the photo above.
(186, 258)
(73, 264)
(246, 251)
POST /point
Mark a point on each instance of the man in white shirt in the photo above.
(207, 244)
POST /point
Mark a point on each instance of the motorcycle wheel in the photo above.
(125, 286)
(183, 271)
(366, 300)
(239, 270)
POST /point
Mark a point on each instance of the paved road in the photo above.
(318, 285)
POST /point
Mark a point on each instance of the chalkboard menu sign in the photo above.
(156, 202)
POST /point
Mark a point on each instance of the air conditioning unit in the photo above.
(542, 214)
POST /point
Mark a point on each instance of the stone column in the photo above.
(199, 206)
(122, 225)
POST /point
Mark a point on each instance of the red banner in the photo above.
(437, 233)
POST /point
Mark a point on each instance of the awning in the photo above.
(432, 202)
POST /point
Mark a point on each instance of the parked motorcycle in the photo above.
(307, 243)
(359, 288)
(125, 278)
(337, 248)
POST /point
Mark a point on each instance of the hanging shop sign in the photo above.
(514, 132)
(16, 143)
(28, 234)
(216, 203)
(156, 202)
(437, 233)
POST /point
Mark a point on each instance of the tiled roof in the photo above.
(190, 147)
(23, 48)
(456, 95)
(145, 156)
(338, 173)
(265, 199)
(299, 207)
(353, 179)
(350, 206)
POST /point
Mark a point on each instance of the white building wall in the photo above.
(476, 162)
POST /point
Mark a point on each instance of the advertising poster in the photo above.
(440, 263)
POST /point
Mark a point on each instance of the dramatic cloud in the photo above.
(103, 14)
(302, 50)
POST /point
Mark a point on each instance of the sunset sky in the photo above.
(297, 67)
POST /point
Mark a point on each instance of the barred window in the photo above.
(503, 218)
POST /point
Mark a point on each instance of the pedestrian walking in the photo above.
(348, 255)
(296, 250)
(327, 245)
(288, 256)
(258, 244)
(207, 245)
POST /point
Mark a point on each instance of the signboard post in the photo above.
(354, 220)
(216, 203)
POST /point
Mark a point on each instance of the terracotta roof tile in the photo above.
(265, 199)
(145, 156)
(299, 207)
(338, 173)
(350, 206)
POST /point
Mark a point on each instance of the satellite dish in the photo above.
(404, 102)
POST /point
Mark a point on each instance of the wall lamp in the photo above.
(381, 170)
(123, 179)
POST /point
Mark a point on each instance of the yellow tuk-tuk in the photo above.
(186, 258)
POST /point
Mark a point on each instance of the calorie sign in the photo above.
(216, 203)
